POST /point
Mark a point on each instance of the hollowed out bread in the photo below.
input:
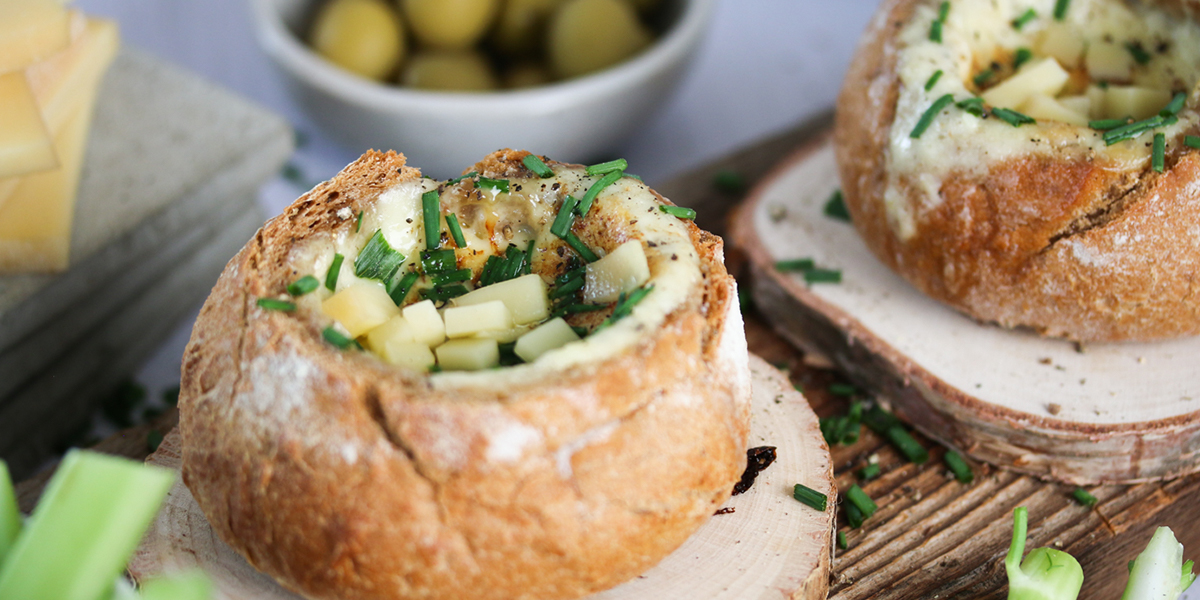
(1043, 226)
(346, 478)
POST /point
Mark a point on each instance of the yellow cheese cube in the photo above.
(548, 336)
(31, 30)
(623, 270)
(408, 354)
(425, 323)
(468, 354)
(360, 307)
(1131, 101)
(1044, 77)
(1045, 108)
(26, 144)
(1061, 41)
(525, 297)
(464, 321)
(1107, 61)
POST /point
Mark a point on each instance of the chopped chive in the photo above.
(1191, 141)
(797, 264)
(1023, 55)
(568, 288)
(456, 230)
(1013, 117)
(856, 496)
(943, 11)
(1159, 153)
(274, 304)
(822, 276)
(303, 285)
(358, 222)
(810, 497)
(1132, 130)
(431, 210)
(880, 420)
(1174, 106)
(678, 211)
(399, 288)
(625, 304)
(869, 472)
(972, 106)
(933, 79)
(577, 244)
(514, 263)
(632, 176)
(962, 471)
(528, 267)
(835, 207)
(378, 260)
(907, 446)
(565, 217)
(854, 516)
(335, 268)
(730, 182)
(1139, 54)
(580, 331)
(495, 185)
(585, 203)
(603, 168)
(443, 294)
(438, 261)
(337, 338)
(580, 307)
(844, 390)
(930, 113)
(570, 275)
(451, 277)
(1106, 124)
(1060, 9)
(462, 177)
(842, 542)
(488, 275)
(535, 164)
(935, 31)
(1024, 19)
(982, 77)
(154, 439)
(1083, 497)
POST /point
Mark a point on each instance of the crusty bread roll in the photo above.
(345, 477)
(1044, 225)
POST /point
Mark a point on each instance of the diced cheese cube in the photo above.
(526, 298)
(395, 329)
(360, 307)
(1062, 42)
(548, 336)
(1043, 77)
(623, 270)
(26, 144)
(1096, 96)
(1079, 104)
(468, 354)
(410, 355)
(1046, 108)
(463, 321)
(505, 336)
(1132, 101)
(31, 30)
(425, 323)
(1107, 61)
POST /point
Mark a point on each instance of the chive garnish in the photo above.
(443, 294)
(496, 185)
(431, 210)
(619, 164)
(303, 285)
(275, 304)
(1174, 106)
(1106, 124)
(835, 207)
(514, 263)
(962, 471)
(1012, 117)
(1083, 497)
(907, 446)
(625, 304)
(1025, 18)
(1139, 54)
(797, 264)
(822, 276)
(585, 203)
(982, 77)
(943, 11)
(869, 472)
(535, 164)
(842, 542)
(1132, 130)
(1060, 9)
(438, 261)
(337, 338)
(930, 113)
(580, 248)
(335, 268)
(973, 105)
(565, 217)
(1023, 55)
(528, 267)
(378, 260)
(880, 420)
(462, 177)
(844, 390)
(358, 222)
(678, 211)
(570, 275)
(810, 497)
(568, 288)
(933, 79)
(1159, 152)
(935, 31)
(1191, 141)
(854, 517)
(456, 229)
(856, 496)
(488, 275)
(451, 277)
(399, 288)
(579, 307)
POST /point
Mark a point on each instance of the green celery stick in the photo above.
(10, 518)
(91, 517)
(192, 585)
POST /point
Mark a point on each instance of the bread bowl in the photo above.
(344, 476)
(1062, 224)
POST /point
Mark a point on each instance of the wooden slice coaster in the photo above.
(769, 546)
(1103, 413)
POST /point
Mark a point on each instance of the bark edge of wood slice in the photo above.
(1102, 413)
(770, 546)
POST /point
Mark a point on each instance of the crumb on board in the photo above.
(1054, 408)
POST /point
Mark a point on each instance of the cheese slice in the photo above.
(26, 145)
(61, 82)
(31, 30)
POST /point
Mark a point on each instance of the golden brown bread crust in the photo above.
(343, 477)
(1018, 243)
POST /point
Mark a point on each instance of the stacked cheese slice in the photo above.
(51, 64)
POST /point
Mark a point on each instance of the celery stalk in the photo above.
(193, 585)
(81, 534)
(1046, 574)
(10, 517)
(1159, 573)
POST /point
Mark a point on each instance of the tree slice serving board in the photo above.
(770, 546)
(1101, 413)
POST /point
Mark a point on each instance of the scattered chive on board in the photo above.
(1084, 497)
(336, 338)
(603, 168)
(854, 516)
(1024, 19)
(842, 542)
(1060, 9)
(856, 496)
(1021, 57)
(276, 304)
(378, 260)
(929, 114)
(933, 79)
(810, 497)
(304, 285)
(335, 268)
(962, 471)
(154, 438)
(869, 472)
(794, 265)
(537, 166)
(678, 211)
(844, 390)
(456, 231)
(822, 276)
(904, 442)
(1159, 153)
(431, 209)
(835, 207)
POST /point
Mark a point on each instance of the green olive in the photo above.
(362, 36)
(521, 26)
(577, 45)
(526, 75)
(449, 24)
(450, 71)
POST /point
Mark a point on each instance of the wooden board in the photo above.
(768, 545)
(1107, 413)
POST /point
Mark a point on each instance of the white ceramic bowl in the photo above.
(577, 120)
